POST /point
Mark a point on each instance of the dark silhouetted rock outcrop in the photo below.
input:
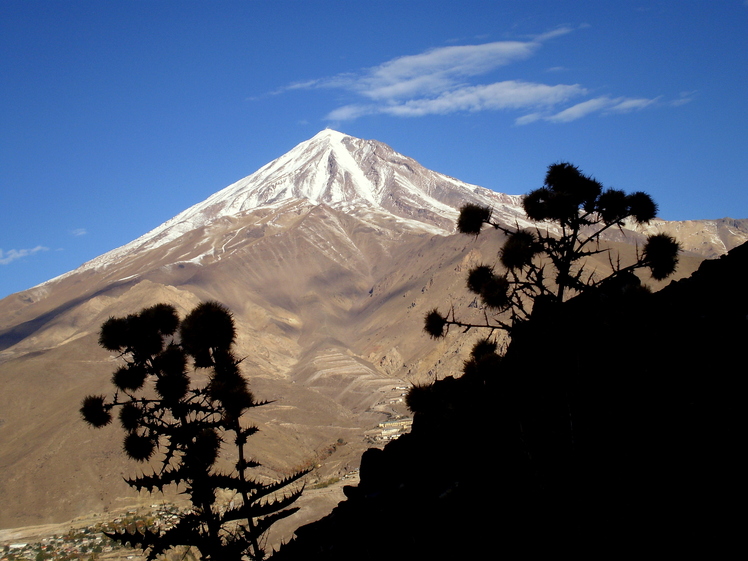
(613, 424)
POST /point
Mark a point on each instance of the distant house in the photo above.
(393, 429)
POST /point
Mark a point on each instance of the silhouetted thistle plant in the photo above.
(182, 426)
(553, 401)
(549, 264)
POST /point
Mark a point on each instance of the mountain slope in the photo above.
(329, 257)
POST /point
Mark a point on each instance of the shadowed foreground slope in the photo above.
(612, 424)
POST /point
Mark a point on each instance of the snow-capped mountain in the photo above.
(364, 178)
(329, 257)
(369, 180)
(344, 173)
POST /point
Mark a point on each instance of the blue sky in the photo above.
(115, 116)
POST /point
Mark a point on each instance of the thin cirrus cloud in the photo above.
(510, 94)
(600, 104)
(441, 81)
(13, 254)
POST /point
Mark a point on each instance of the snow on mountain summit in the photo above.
(356, 176)
(337, 170)
(343, 172)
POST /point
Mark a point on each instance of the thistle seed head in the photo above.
(130, 377)
(661, 255)
(642, 207)
(209, 326)
(95, 411)
(519, 249)
(130, 415)
(472, 217)
(139, 447)
(434, 324)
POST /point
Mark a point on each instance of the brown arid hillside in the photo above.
(328, 258)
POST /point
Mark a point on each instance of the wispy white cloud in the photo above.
(437, 70)
(13, 254)
(527, 119)
(79, 232)
(511, 94)
(686, 97)
(580, 110)
(627, 104)
(603, 104)
(443, 80)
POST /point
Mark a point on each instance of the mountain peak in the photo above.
(355, 176)
(343, 172)
(329, 134)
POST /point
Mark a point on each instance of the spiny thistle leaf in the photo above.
(157, 481)
(268, 489)
(148, 540)
(184, 532)
(234, 546)
(149, 482)
(264, 508)
(225, 481)
(246, 464)
(258, 508)
(142, 540)
(243, 434)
